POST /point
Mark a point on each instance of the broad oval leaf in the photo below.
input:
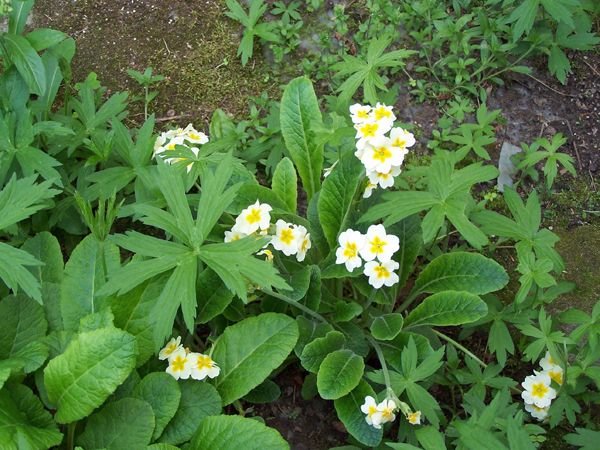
(198, 400)
(348, 411)
(250, 350)
(339, 373)
(235, 432)
(285, 183)
(387, 326)
(447, 308)
(315, 352)
(27, 61)
(299, 114)
(122, 425)
(91, 368)
(22, 322)
(162, 393)
(461, 271)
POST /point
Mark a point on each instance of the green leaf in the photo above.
(524, 15)
(430, 438)
(85, 273)
(338, 192)
(584, 438)
(348, 411)
(559, 64)
(121, 425)
(92, 367)
(339, 373)
(300, 113)
(22, 322)
(409, 233)
(198, 401)
(162, 393)
(315, 352)
(18, 16)
(27, 61)
(132, 313)
(43, 38)
(475, 437)
(235, 432)
(250, 350)
(213, 296)
(447, 308)
(461, 271)
(285, 183)
(24, 423)
(387, 326)
(14, 273)
(266, 392)
(21, 198)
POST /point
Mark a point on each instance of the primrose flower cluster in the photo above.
(378, 414)
(255, 220)
(376, 248)
(539, 393)
(187, 137)
(381, 155)
(185, 364)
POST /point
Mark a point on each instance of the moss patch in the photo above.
(191, 42)
(579, 249)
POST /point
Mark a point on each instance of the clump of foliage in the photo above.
(378, 277)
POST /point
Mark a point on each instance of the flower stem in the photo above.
(460, 347)
(384, 369)
(296, 304)
(71, 435)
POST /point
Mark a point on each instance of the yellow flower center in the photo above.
(372, 410)
(304, 246)
(557, 376)
(539, 390)
(362, 114)
(413, 417)
(387, 413)
(351, 250)
(171, 146)
(253, 216)
(204, 362)
(369, 129)
(287, 236)
(383, 176)
(399, 142)
(381, 272)
(178, 363)
(382, 154)
(377, 245)
(382, 112)
(171, 348)
(194, 136)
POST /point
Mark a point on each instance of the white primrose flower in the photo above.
(383, 114)
(367, 131)
(402, 138)
(194, 136)
(380, 155)
(382, 273)
(172, 346)
(303, 242)
(348, 252)
(536, 412)
(379, 244)
(234, 235)
(554, 371)
(254, 218)
(179, 365)
(369, 407)
(385, 413)
(369, 189)
(414, 418)
(203, 366)
(538, 391)
(383, 179)
(286, 238)
(360, 113)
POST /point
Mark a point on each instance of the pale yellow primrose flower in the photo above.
(383, 179)
(286, 238)
(538, 391)
(538, 413)
(369, 407)
(172, 346)
(383, 114)
(360, 113)
(202, 366)
(234, 235)
(254, 218)
(385, 413)
(303, 242)
(179, 365)
(414, 418)
(380, 155)
(554, 371)
(369, 189)
(348, 252)
(194, 136)
(402, 138)
(367, 131)
(382, 273)
(379, 244)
